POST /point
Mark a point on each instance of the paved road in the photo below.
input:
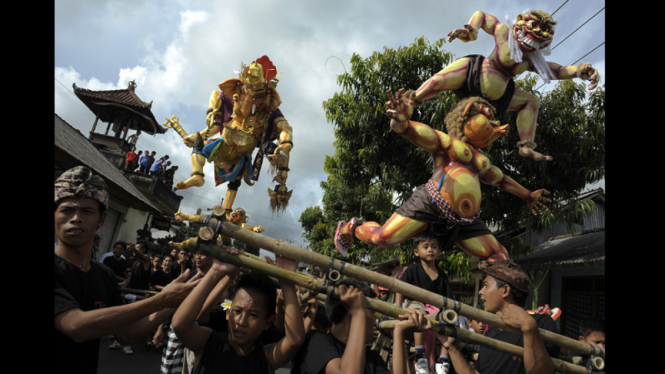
(114, 361)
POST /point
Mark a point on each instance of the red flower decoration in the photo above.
(269, 70)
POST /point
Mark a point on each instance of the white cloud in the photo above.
(190, 18)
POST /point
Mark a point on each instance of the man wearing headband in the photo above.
(88, 305)
(504, 293)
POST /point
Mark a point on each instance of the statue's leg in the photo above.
(181, 245)
(452, 77)
(527, 106)
(485, 247)
(230, 197)
(196, 180)
(396, 230)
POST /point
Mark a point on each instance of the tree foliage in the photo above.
(374, 169)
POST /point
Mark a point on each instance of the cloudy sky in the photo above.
(178, 51)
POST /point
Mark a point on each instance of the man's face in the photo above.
(247, 317)
(202, 261)
(167, 264)
(118, 250)
(182, 255)
(491, 295)
(77, 220)
(428, 250)
(595, 338)
(156, 262)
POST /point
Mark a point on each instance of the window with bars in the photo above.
(582, 297)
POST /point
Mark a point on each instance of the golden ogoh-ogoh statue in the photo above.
(245, 113)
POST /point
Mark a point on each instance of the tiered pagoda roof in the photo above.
(107, 103)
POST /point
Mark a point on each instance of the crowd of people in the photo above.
(146, 162)
(206, 315)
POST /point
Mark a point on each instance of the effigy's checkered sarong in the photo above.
(447, 211)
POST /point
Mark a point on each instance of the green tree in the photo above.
(374, 170)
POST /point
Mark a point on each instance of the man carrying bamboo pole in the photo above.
(344, 348)
(505, 290)
(88, 305)
(252, 311)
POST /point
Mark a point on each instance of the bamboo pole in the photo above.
(318, 285)
(467, 337)
(497, 345)
(395, 285)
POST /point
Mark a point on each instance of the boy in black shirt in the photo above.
(426, 275)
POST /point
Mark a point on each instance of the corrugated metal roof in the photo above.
(583, 249)
(72, 142)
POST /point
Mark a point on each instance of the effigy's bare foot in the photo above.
(195, 181)
(528, 152)
(496, 256)
(176, 245)
(180, 217)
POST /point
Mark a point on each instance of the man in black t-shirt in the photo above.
(88, 305)
(505, 290)
(139, 278)
(117, 262)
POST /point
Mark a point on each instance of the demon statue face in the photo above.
(534, 30)
(279, 198)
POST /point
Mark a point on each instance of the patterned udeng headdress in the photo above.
(507, 271)
(80, 182)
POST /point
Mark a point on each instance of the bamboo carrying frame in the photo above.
(441, 321)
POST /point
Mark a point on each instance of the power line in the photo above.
(561, 6)
(564, 39)
(588, 53)
(66, 88)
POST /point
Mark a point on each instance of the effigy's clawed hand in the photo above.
(588, 72)
(468, 33)
(537, 199)
(399, 109)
